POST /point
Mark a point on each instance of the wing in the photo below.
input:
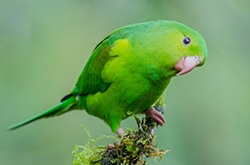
(90, 81)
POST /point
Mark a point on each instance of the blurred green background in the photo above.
(45, 44)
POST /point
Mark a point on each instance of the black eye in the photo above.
(186, 41)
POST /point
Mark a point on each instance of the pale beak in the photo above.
(187, 64)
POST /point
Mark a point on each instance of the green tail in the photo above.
(60, 108)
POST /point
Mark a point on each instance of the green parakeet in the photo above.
(129, 70)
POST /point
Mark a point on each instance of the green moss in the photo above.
(90, 153)
(134, 147)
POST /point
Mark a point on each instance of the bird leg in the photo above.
(119, 132)
(154, 114)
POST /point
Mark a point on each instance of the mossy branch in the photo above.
(132, 148)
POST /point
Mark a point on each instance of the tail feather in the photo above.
(56, 110)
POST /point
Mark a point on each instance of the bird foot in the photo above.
(119, 132)
(154, 114)
(111, 146)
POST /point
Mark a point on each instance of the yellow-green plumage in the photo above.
(130, 69)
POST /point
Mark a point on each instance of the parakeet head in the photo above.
(192, 49)
(166, 48)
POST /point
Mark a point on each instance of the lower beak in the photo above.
(187, 64)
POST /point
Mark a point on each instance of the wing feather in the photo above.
(90, 81)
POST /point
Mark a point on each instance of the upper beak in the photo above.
(187, 64)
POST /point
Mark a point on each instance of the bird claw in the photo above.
(111, 146)
(156, 115)
(119, 132)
